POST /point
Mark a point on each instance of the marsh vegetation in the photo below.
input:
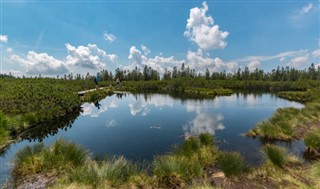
(39, 103)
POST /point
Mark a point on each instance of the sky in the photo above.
(54, 38)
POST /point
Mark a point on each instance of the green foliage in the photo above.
(312, 140)
(299, 96)
(275, 154)
(188, 148)
(206, 139)
(316, 169)
(174, 169)
(231, 163)
(200, 148)
(96, 95)
(114, 172)
(4, 133)
(60, 156)
(29, 161)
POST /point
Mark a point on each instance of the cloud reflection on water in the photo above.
(143, 104)
(204, 123)
(89, 109)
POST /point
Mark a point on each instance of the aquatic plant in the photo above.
(231, 163)
(275, 154)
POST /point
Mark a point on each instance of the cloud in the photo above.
(158, 63)
(145, 50)
(136, 56)
(279, 56)
(9, 50)
(201, 30)
(253, 65)
(204, 123)
(316, 53)
(305, 9)
(299, 14)
(89, 57)
(89, 109)
(40, 63)
(299, 61)
(3, 38)
(199, 61)
(109, 37)
(145, 106)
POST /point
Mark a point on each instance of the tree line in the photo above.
(149, 74)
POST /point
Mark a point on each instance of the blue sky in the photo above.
(59, 37)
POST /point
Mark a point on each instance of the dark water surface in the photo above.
(141, 126)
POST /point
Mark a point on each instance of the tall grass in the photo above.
(275, 154)
(112, 172)
(174, 170)
(312, 140)
(232, 163)
(200, 148)
(316, 169)
(62, 156)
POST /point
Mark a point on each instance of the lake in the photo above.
(142, 126)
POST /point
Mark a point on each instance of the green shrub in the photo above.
(4, 133)
(275, 154)
(231, 163)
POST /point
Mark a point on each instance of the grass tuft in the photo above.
(312, 140)
(232, 163)
(275, 154)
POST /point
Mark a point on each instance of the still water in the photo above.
(142, 126)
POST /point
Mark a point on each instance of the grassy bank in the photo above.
(292, 123)
(196, 163)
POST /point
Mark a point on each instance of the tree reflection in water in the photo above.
(45, 129)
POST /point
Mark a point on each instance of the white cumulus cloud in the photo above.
(200, 61)
(4, 38)
(253, 65)
(40, 63)
(88, 56)
(158, 63)
(109, 37)
(201, 30)
(299, 61)
(145, 50)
